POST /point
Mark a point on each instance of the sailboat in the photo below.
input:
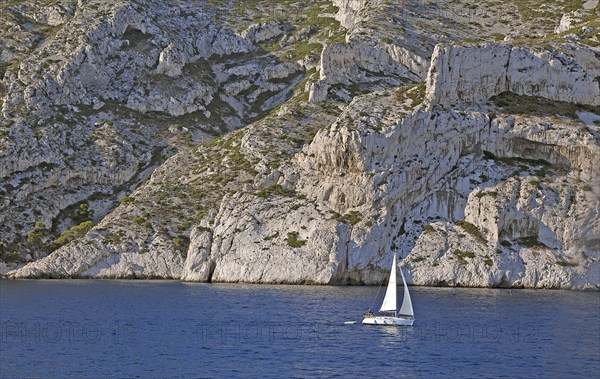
(404, 316)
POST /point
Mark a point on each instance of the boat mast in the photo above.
(394, 271)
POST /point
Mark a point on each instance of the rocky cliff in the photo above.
(474, 161)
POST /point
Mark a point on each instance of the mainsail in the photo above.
(389, 301)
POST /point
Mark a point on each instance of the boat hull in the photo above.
(381, 320)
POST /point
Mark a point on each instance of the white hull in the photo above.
(383, 320)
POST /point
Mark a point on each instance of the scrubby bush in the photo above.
(293, 240)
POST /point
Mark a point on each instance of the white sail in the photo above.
(389, 301)
(406, 308)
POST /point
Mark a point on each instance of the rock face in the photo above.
(273, 244)
(477, 170)
(351, 11)
(354, 62)
(85, 114)
(471, 74)
(371, 64)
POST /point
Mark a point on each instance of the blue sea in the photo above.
(159, 329)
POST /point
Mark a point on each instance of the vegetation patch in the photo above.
(472, 230)
(512, 103)
(272, 236)
(351, 218)
(462, 255)
(537, 9)
(415, 93)
(274, 189)
(13, 257)
(486, 193)
(531, 241)
(114, 238)
(516, 161)
(428, 229)
(566, 264)
(127, 199)
(293, 239)
(73, 233)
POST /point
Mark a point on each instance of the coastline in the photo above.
(161, 279)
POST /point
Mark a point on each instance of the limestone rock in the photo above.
(467, 192)
(270, 242)
(458, 73)
(349, 10)
(264, 31)
(198, 265)
(170, 62)
(83, 112)
(352, 62)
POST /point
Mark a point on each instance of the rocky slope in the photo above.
(481, 175)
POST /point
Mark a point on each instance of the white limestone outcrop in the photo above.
(350, 10)
(199, 266)
(252, 242)
(264, 31)
(353, 62)
(476, 73)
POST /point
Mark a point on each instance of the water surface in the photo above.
(91, 328)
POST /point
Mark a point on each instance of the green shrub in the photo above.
(73, 233)
(83, 213)
(522, 104)
(352, 217)
(531, 241)
(13, 257)
(566, 264)
(428, 229)
(273, 189)
(415, 93)
(34, 236)
(471, 229)
(293, 240)
(461, 255)
(517, 161)
(488, 261)
(487, 193)
(272, 236)
(114, 237)
(127, 199)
